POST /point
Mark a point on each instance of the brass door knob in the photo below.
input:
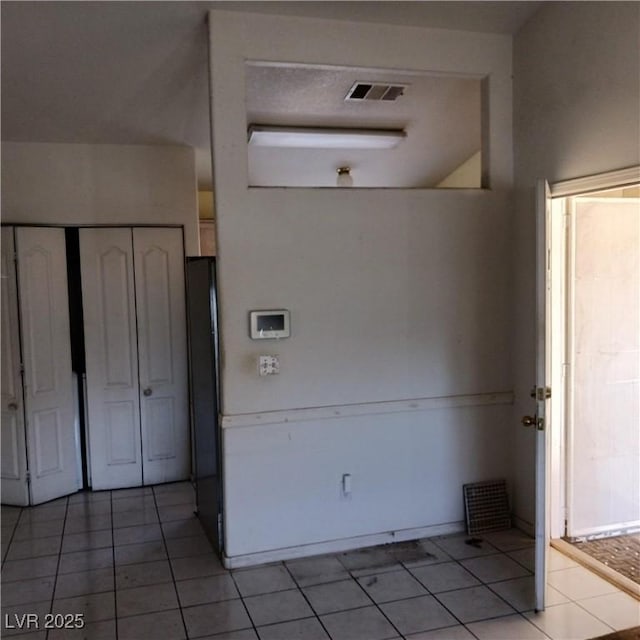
(529, 421)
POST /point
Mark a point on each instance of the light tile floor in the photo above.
(137, 565)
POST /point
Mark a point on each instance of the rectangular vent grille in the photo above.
(486, 506)
(375, 91)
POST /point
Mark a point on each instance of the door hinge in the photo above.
(28, 476)
(22, 368)
(541, 393)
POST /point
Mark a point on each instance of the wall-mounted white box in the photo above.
(269, 324)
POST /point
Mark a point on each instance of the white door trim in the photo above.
(612, 179)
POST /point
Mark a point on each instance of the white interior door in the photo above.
(162, 349)
(543, 377)
(113, 406)
(48, 379)
(14, 452)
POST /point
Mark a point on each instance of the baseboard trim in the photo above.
(524, 525)
(340, 545)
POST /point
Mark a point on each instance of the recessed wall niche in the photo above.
(436, 121)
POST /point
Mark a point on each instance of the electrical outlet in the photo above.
(268, 365)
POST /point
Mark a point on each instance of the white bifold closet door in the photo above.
(136, 360)
(39, 459)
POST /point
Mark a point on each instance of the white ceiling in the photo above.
(440, 115)
(136, 72)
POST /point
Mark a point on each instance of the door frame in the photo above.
(551, 484)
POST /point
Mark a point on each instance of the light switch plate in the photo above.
(268, 365)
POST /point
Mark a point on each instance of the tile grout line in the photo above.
(55, 578)
(244, 604)
(113, 567)
(173, 577)
(304, 595)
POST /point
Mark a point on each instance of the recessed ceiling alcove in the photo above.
(439, 115)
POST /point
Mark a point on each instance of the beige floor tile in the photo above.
(84, 582)
(474, 604)
(507, 628)
(34, 548)
(618, 610)
(44, 529)
(525, 557)
(208, 589)
(86, 509)
(509, 540)
(167, 625)
(135, 503)
(86, 560)
(280, 606)
(140, 552)
(176, 512)
(135, 518)
(146, 599)
(417, 614)
(367, 623)
(196, 566)
(445, 576)
(307, 629)
(25, 591)
(568, 622)
(458, 547)
(229, 615)
(87, 523)
(190, 546)
(336, 596)
(519, 593)
(138, 575)
(242, 634)
(494, 568)
(137, 534)
(457, 632)
(30, 568)
(87, 540)
(558, 561)
(317, 570)
(182, 528)
(102, 630)
(93, 607)
(259, 580)
(392, 585)
(577, 583)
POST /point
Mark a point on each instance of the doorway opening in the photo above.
(595, 370)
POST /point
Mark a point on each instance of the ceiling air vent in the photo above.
(375, 91)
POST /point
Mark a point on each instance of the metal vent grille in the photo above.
(375, 91)
(486, 506)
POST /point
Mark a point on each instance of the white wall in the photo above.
(396, 297)
(576, 106)
(53, 183)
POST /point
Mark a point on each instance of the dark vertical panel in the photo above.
(201, 309)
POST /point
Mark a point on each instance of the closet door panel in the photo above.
(108, 300)
(48, 378)
(13, 470)
(160, 305)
